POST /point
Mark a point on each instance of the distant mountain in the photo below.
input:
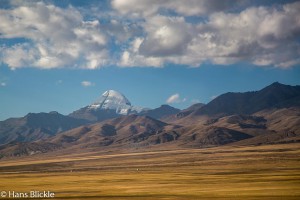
(275, 95)
(182, 114)
(189, 110)
(94, 115)
(161, 112)
(132, 132)
(126, 131)
(111, 104)
(36, 126)
(268, 116)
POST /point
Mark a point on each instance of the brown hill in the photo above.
(135, 132)
(161, 112)
(35, 126)
(268, 122)
(131, 131)
(276, 95)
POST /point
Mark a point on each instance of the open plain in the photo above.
(253, 172)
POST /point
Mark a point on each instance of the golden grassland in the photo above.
(257, 172)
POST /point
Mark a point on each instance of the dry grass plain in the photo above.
(256, 172)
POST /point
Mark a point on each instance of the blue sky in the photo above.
(62, 55)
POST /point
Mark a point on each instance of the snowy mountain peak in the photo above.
(115, 97)
(114, 100)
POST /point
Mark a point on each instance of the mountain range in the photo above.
(270, 115)
(275, 95)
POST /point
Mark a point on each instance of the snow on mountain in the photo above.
(113, 100)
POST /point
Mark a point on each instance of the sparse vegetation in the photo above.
(257, 172)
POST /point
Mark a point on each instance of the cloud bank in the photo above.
(141, 33)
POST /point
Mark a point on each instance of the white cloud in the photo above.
(18, 55)
(259, 35)
(175, 98)
(54, 38)
(169, 34)
(87, 83)
(2, 84)
(143, 33)
(138, 8)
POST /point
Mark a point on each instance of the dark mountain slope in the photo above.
(123, 132)
(189, 110)
(36, 126)
(161, 112)
(175, 118)
(275, 95)
(94, 115)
